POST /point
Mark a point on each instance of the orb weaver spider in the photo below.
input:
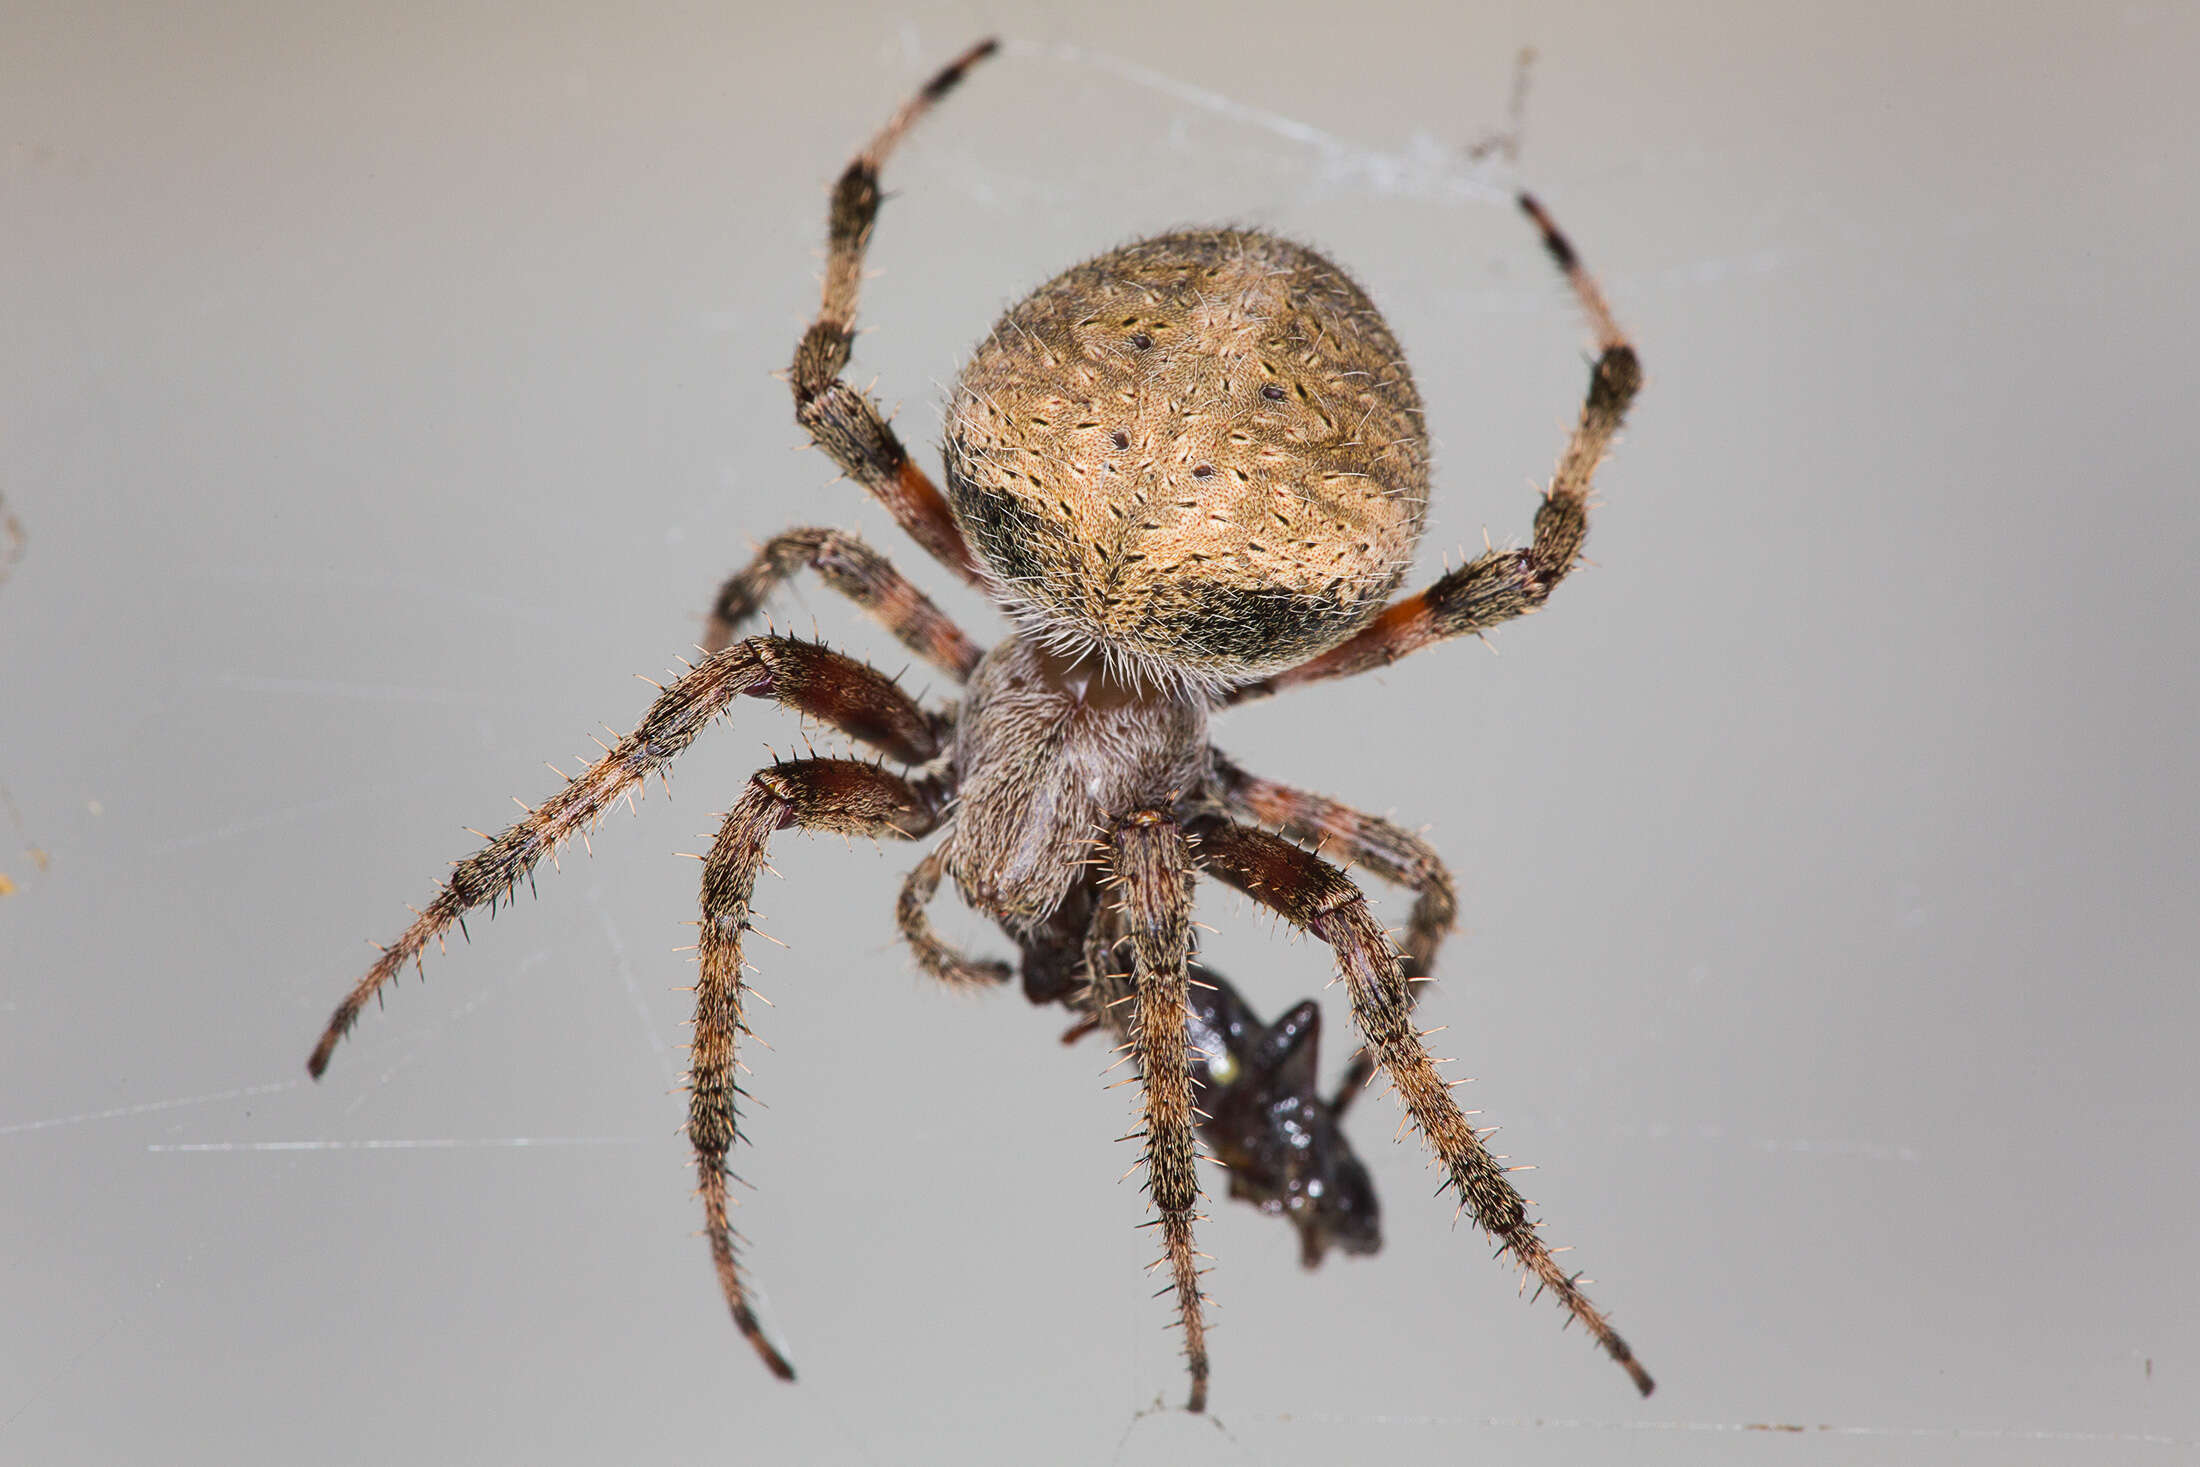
(1191, 472)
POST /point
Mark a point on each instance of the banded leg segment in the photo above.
(846, 423)
(1151, 868)
(817, 794)
(1318, 898)
(856, 699)
(1504, 584)
(857, 572)
(1396, 855)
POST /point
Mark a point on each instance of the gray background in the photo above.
(382, 388)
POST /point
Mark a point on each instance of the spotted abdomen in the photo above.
(1201, 453)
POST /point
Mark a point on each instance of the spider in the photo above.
(1191, 472)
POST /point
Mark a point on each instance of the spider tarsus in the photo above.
(1554, 239)
(776, 1363)
(1643, 1383)
(945, 79)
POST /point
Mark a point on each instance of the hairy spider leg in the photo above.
(842, 795)
(844, 422)
(1396, 855)
(1503, 584)
(1316, 897)
(856, 699)
(1149, 878)
(857, 572)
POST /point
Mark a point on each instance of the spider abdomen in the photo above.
(1201, 454)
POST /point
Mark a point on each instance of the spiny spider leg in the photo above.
(1150, 876)
(817, 794)
(856, 699)
(933, 955)
(1253, 1084)
(1503, 584)
(841, 420)
(1315, 896)
(857, 572)
(1396, 855)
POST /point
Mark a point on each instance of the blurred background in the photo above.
(384, 387)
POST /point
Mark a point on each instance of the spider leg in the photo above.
(1315, 896)
(933, 955)
(1503, 584)
(857, 572)
(844, 422)
(1151, 875)
(856, 699)
(1396, 855)
(817, 794)
(1254, 1091)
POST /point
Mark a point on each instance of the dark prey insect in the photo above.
(1191, 471)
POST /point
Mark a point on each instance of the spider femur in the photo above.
(1200, 456)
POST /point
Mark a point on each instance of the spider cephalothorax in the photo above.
(1191, 470)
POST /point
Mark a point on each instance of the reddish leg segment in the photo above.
(1504, 583)
(843, 421)
(803, 675)
(857, 572)
(1396, 855)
